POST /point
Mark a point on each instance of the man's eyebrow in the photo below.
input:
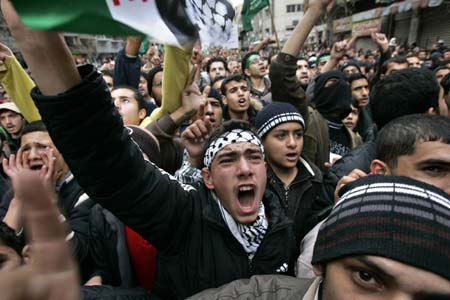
(227, 153)
(375, 267)
(433, 295)
(433, 161)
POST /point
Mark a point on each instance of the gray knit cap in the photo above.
(394, 217)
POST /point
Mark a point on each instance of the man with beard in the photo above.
(303, 72)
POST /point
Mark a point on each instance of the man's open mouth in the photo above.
(36, 167)
(246, 197)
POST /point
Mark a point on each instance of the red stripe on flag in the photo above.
(117, 2)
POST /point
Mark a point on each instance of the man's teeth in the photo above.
(245, 188)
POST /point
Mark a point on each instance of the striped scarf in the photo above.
(249, 236)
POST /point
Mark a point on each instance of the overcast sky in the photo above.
(236, 2)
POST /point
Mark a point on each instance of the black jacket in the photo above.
(75, 206)
(196, 249)
(306, 200)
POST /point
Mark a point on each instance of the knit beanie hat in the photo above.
(276, 113)
(147, 142)
(393, 217)
(350, 63)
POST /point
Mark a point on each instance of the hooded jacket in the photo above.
(286, 87)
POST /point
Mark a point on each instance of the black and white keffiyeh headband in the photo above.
(230, 137)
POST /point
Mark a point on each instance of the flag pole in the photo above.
(273, 25)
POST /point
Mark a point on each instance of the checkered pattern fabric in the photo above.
(230, 137)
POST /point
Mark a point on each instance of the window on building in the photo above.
(290, 8)
(299, 7)
(294, 23)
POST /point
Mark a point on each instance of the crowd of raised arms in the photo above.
(318, 173)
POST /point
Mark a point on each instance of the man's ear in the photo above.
(379, 167)
(26, 254)
(247, 72)
(318, 270)
(207, 178)
(142, 113)
(224, 100)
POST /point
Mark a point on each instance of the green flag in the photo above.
(249, 10)
(174, 22)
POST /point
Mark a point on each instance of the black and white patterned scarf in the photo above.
(249, 236)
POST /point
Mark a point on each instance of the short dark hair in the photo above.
(445, 83)
(395, 60)
(406, 92)
(34, 126)
(245, 58)
(216, 59)
(355, 76)
(400, 136)
(139, 98)
(150, 75)
(109, 73)
(9, 238)
(237, 78)
(218, 78)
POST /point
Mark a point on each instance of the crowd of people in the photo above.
(306, 174)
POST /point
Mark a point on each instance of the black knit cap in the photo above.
(393, 217)
(351, 63)
(276, 113)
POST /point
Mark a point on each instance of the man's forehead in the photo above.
(239, 147)
(8, 112)
(36, 137)
(233, 83)
(122, 92)
(217, 64)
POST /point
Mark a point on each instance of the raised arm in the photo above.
(53, 67)
(316, 10)
(285, 85)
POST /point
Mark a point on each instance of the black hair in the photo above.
(9, 238)
(405, 92)
(445, 83)
(237, 78)
(400, 136)
(245, 58)
(395, 60)
(150, 75)
(216, 59)
(109, 73)
(355, 76)
(218, 78)
(34, 126)
(139, 98)
(355, 104)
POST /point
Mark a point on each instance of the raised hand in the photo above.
(195, 138)
(381, 40)
(191, 98)
(352, 176)
(322, 4)
(52, 274)
(340, 48)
